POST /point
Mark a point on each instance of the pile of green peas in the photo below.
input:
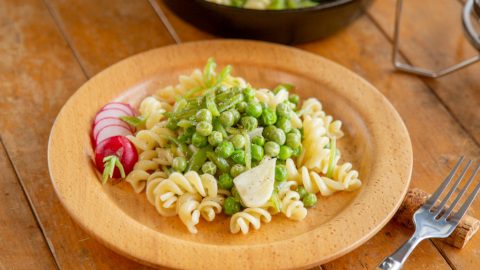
(216, 126)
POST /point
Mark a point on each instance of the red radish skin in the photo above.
(109, 113)
(119, 105)
(119, 147)
(112, 131)
(108, 122)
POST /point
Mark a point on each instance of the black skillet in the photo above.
(282, 26)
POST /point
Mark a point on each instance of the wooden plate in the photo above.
(376, 142)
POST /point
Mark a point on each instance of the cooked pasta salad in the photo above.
(268, 4)
(214, 144)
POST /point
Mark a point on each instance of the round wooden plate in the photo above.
(376, 142)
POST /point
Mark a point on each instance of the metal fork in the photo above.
(435, 221)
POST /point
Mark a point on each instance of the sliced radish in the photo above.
(111, 131)
(121, 106)
(108, 122)
(109, 113)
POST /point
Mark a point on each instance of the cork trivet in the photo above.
(415, 198)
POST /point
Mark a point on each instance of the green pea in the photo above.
(238, 157)
(293, 140)
(236, 115)
(294, 99)
(280, 173)
(204, 128)
(238, 141)
(268, 131)
(302, 192)
(297, 151)
(269, 117)
(199, 140)
(209, 167)
(242, 107)
(272, 149)
(284, 110)
(237, 169)
(172, 123)
(249, 93)
(224, 149)
(249, 123)
(231, 206)
(277, 136)
(179, 164)
(225, 181)
(285, 152)
(254, 109)
(258, 140)
(296, 131)
(227, 119)
(284, 124)
(257, 152)
(204, 115)
(310, 200)
(215, 138)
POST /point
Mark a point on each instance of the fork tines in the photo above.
(439, 211)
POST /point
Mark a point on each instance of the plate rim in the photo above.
(149, 260)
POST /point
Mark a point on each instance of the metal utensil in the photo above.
(471, 9)
(435, 221)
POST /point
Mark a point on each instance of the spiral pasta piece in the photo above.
(163, 197)
(314, 141)
(347, 176)
(149, 139)
(241, 221)
(270, 98)
(292, 206)
(187, 210)
(210, 207)
(192, 182)
(163, 156)
(140, 173)
(313, 107)
(311, 180)
(153, 111)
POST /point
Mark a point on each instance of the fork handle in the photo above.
(398, 258)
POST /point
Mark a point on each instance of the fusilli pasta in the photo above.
(292, 206)
(187, 210)
(210, 206)
(312, 181)
(241, 221)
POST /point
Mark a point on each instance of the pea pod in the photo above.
(208, 71)
(223, 74)
(331, 160)
(248, 149)
(197, 160)
(221, 163)
(218, 127)
(230, 103)
(211, 106)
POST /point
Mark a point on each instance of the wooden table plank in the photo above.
(23, 245)
(38, 74)
(432, 36)
(406, 93)
(104, 32)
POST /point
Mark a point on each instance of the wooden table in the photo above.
(49, 48)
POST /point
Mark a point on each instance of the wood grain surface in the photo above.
(43, 57)
(432, 37)
(23, 244)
